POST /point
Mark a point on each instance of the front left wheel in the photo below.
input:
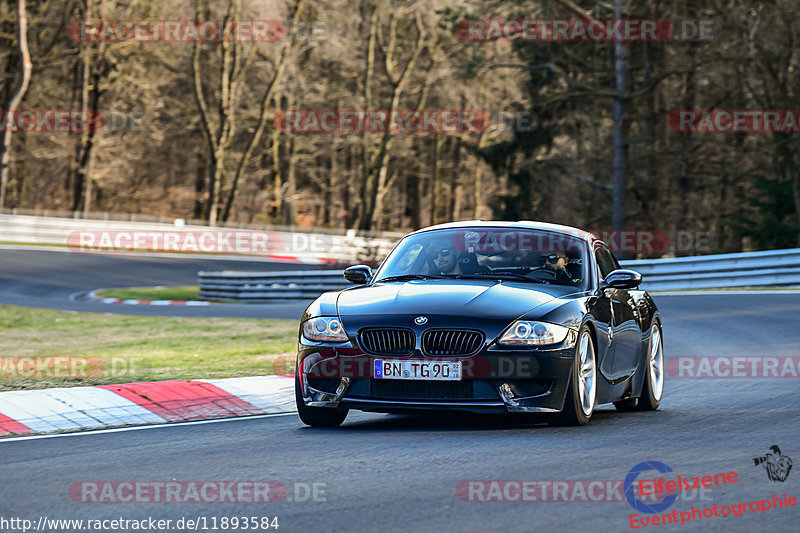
(326, 417)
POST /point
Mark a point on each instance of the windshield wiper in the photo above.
(408, 277)
(501, 275)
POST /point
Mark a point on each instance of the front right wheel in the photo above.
(582, 390)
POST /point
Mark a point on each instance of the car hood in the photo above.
(484, 304)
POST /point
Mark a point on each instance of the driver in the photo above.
(557, 262)
(445, 258)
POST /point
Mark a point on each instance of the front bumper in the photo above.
(494, 380)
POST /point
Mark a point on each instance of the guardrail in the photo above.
(52, 215)
(259, 287)
(310, 246)
(770, 268)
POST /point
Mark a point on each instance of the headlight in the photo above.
(531, 333)
(324, 329)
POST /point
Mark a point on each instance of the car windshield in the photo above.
(514, 254)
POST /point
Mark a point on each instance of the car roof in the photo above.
(521, 224)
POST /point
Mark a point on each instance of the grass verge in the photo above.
(152, 293)
(121, 348)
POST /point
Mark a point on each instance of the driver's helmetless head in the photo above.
(444, 257)
(555, 261)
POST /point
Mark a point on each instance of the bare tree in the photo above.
(93, 68)
(618, 216)
(16, 97)
(219, 129)
(376, 160)
(264, 112)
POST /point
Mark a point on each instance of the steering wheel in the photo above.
(543, 273)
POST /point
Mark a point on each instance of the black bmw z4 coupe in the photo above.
(483, 317)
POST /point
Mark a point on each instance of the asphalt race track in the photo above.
(400, 473)
(57, 280)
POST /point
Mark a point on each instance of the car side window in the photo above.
(605, 261)
(410, 256)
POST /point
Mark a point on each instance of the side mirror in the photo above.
(359, 274)
(622, 279)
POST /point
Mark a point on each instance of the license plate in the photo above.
(422, 370)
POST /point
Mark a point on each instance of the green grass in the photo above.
(151, 348)
(152, 293)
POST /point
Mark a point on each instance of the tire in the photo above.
(582, 390)
(323, 417)
(653, 388)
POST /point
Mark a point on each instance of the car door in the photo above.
(602, 312)
(624, 328)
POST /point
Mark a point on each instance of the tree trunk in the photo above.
(438, 141)
(16, 97)
(364, 215)
(477, 197)
(476, 191)
(455, 182)
(796, 190)
(619, 180)
(277, 180)
(414, 192)
(330, 183)
(78, 177)
(289, 211)
(201, 176)
(88, 139)
(347, 189)
(687, 102)
(21, 181)
(646, 195)
(92, 64)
